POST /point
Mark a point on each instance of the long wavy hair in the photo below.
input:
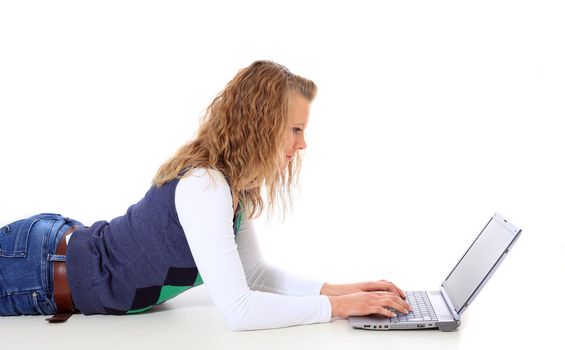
(243, 134)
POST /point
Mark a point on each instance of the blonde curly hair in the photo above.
(243, 133)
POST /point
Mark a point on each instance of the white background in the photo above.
(431, 116)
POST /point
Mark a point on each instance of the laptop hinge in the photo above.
(449, 304)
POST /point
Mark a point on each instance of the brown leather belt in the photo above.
(61, 291)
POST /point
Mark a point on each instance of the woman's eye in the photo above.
(296, 130)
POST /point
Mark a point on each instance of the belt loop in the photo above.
(55, 257)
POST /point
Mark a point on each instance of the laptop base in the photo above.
(377, 324)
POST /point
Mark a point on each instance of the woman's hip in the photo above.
(27, 254)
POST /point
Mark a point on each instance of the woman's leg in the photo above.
(27, 251)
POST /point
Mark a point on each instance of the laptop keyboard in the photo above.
(421, 309)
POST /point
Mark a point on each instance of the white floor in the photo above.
(191, 322)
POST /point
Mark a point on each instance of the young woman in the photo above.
(193, 226)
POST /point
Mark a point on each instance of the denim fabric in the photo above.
(27, 253)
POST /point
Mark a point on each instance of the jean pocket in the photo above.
(14, 238)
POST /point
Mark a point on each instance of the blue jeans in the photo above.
(27, 253)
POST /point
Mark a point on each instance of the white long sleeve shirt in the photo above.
(249, 293)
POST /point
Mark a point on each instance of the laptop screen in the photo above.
(479, 262)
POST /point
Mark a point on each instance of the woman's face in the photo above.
(299, 112)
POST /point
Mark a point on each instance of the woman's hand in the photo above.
(372, 286)
(365, 298)
(367, 303)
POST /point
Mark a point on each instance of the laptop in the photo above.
(443, 308)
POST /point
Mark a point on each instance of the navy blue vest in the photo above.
(135, 261)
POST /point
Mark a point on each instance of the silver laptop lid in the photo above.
(480, 261)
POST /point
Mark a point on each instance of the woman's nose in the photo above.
(301, 144)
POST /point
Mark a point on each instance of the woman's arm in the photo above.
(364, 298)
(204, 208)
